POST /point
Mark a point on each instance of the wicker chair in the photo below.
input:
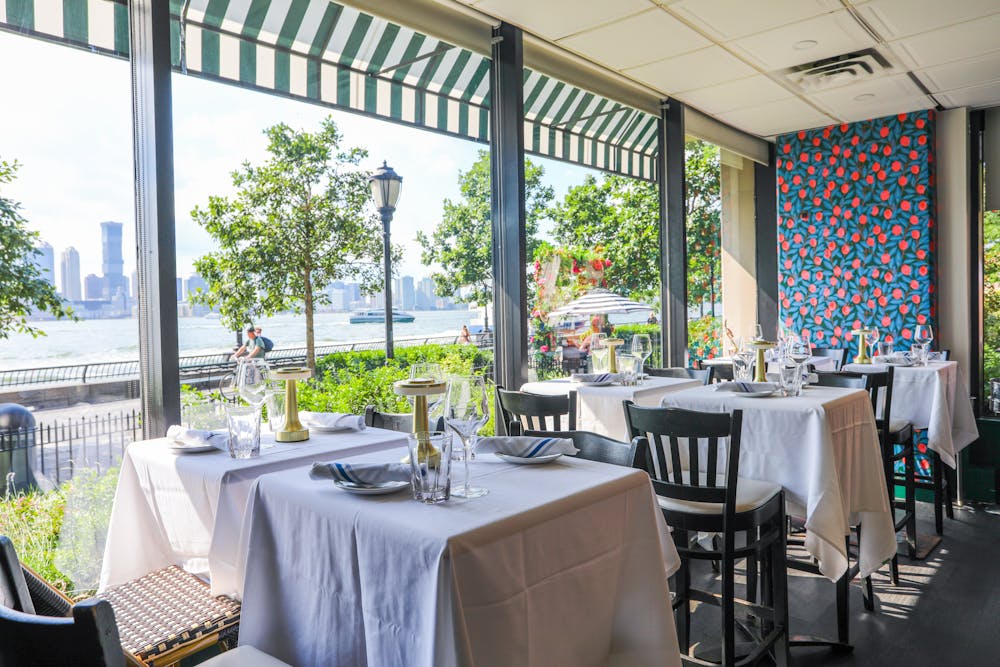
(158, 619)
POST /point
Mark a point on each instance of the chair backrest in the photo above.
(90, 637)
(658, 433)
(395, 421)
(838, 354)
(536, 412)
(702, 374)
(722, 372)
(878, 384)
(945, 354)
(706, 375)
(592, 446)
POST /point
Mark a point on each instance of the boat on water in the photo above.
(378, 316)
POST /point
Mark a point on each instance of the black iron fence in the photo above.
(192, 367)
(49, 454)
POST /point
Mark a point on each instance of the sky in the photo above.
(66, 118)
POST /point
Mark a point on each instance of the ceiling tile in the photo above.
(728, 19)
(901, 18)
(777, 117)
(834, 33)
(559, 18)
(958, 42)
(637, 40)
(987, 95)
(697, 69)
(962, 74)
(735, 95)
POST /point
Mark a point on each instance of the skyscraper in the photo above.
(194, 283)
(408, 293)
(111, 258)
(93, 287)
(69, 268)
(45, 260)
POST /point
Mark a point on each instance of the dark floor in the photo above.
(945, 611)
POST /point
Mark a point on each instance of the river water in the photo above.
(68, 343)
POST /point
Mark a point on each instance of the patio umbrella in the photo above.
(599, 302)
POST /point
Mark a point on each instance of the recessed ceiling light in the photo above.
(804, 44)
(864, 97)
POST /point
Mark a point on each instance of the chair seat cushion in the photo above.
(168, 608)
(243, 656)
(750, 494)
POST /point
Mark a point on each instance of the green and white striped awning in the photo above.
(332, 54)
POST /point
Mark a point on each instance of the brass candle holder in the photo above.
(419, 389)
(292, 430)
(760, 365)
(862, 335)
(613, 344)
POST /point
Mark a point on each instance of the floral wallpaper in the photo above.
(856, 229)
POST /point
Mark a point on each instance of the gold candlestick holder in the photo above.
(862, 335)
(419, 389)
(292, 430)
(613, 344)
(760, 365)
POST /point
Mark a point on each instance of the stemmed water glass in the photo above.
(642, 347)
(253, 380)
(598, 351)
(467, 409)
(923, 335)
(426, 370)
(872, 337)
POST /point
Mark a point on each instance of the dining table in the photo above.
(599, 408)
(186, 509)
(565, 563)
(933, 398)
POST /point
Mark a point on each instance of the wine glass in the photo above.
(758, 332)
(598, 352)
(431, 372)
(467, 409)
(253, 380)
(642, 347)
(799, 352)
(923, 335)
(872, 338)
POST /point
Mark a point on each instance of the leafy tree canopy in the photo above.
(23, 289)
(298, 221)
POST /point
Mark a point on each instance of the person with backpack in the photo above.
(256, 346)
(268, 343)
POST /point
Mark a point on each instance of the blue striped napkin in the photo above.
(526, 447)
(742, 387)
(362, 473)
(197, 437)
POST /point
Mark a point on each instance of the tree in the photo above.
(462, 242)
(23, 290)
(297, 222)
(703, 188)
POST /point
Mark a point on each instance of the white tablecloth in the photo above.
(822, 447)
(560, 564)
(187, 509)
(599, 409)
(936, 398)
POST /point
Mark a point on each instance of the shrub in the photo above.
(32, 521)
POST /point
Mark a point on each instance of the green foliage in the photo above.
(626, 331)
(462, 242)
(23, 289)
(297, 222)
(704, 338)
(32, 521)
(703, 190)
(89, 497)
(991, 296)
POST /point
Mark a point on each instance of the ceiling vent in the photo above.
(838, 70)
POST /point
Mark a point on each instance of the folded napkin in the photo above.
(332, 421)
(894, 358)
(741, 387)
(526, 447)
(193, 436)
(595, 377)
(362, 473)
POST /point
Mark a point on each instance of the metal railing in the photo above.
(49, 454)
(194, 366)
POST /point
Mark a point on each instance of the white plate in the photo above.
(757, 394)
(179, 447)
(371, 489)
(531, 460)
(606, 383)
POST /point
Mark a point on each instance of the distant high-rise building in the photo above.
(93, 287)
(69, 267)
(425, 297)
(180, 290)
(193, 284)
(112, 264)
(45, 260)
(135, 286)
(408, 295)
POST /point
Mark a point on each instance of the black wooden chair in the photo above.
(838, 354)
(592, 446)
(395, 421)
(702, 374)
(696, 497)
(158, 619)
(722, 372)
(535, 412)
(897, 444)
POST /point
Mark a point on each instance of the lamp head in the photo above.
(385, 185)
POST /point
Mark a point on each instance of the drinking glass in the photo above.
(426, 371)
(431, 471)
(642, 347)
(467, 409)
(253, 379)
(244, 431)
(872, 337)
(799, 352)
(275, 410)
(629, 365)
(885, 349)
(924, 335)
(758, 332)
(742, 368)
(918, 352)
(599, 353)
(790, 379)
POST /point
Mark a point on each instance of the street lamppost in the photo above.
(385, 184)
